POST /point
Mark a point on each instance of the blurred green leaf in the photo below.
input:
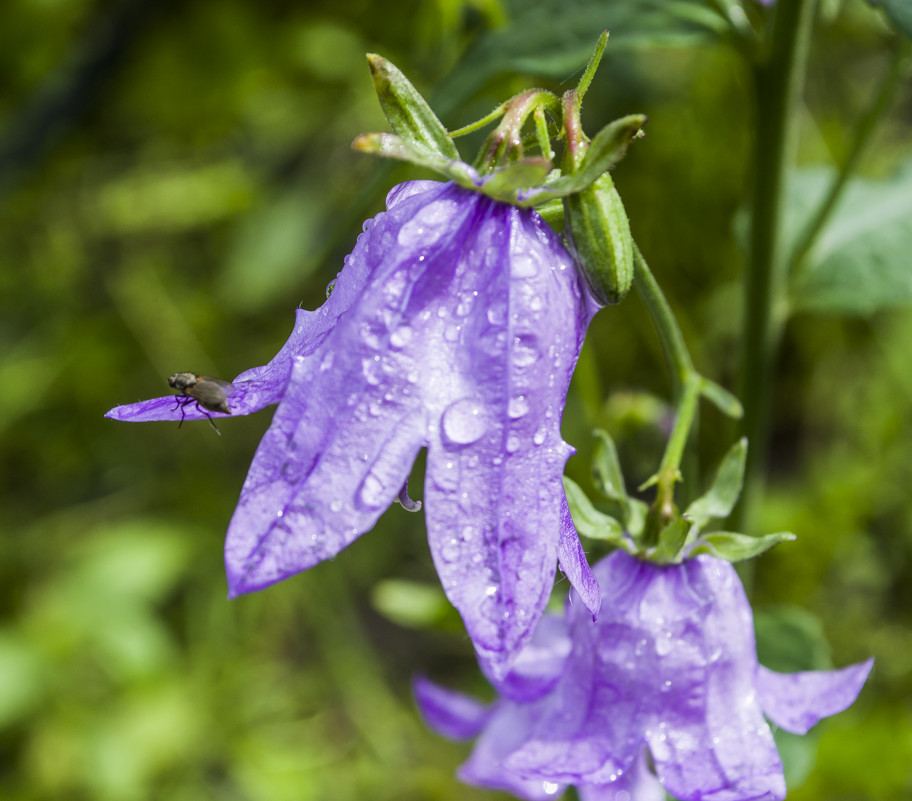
(672, 539)
(899, 12)
(723, 493)
(859, 264)
(734, 547)
(791, 639)
(589, 521)
(410, 603)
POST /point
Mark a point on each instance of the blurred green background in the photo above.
(176, 179)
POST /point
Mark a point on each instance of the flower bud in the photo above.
(599, 233)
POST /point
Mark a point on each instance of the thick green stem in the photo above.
(779, 83)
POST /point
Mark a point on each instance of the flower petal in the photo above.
(539, 665)
(515, 315)
(259, 387)
(352, 420)
(451, 714)
(638, 783)
(485, 767)
(572, 560)
(797, 701)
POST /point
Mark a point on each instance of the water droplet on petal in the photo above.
(512, 443)
(518, 406)
(372, 493)
(525, 350)
(524, 267)
(536, 303)
(464, 421)
(539, 437)
(401, 337)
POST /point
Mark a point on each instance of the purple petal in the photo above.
(572, 560)
(539, 665)
(485, 767)
(637, 784)
(259, 387)
(352, 420)
(451, 714)
(515, 316)
(797, 701)
(669, 664)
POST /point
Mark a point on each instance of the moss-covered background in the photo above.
(176, 178)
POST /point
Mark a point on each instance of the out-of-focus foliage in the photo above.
(176, 179)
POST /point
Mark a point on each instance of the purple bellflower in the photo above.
(454, 325)
(667, 676)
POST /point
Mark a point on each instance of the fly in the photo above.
(208, 393)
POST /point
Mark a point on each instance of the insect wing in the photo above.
(212, 393)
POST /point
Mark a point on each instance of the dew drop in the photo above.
(336, 506)
(512, 443)
(401, 337)
(372, 492)
(539, 437)
(536, 303)
(524, 268)
(525, 350)
(550, 788)
(518, 406)
(464, 421)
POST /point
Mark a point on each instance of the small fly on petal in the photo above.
(208, 392)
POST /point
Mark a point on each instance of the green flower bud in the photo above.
(599, 234)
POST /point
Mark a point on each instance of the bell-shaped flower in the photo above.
(454, 325)
(668, 673)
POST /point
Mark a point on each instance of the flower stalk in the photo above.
(779, 81)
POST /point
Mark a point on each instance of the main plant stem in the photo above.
(779, 81)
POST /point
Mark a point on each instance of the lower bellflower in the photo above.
(667, 676)
(454, 325)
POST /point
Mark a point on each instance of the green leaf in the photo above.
(899, 12)
(532, 44)
(859, 264)
(408, 113)
(722, 496)
(606, 468)
(672, 539)
(721, 398)
(589, 521)
(737, 547)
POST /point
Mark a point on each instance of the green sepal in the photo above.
(604, 151)
(737, 547)
(408, 114)
(506, 182)
(552, 213)
(723, 494)
(721, 398)
(609, 480)
(672, 540)
(590, 522)
(606, 468)
(395, 147)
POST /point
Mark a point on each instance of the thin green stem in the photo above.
(779, 83)
(474, 126)
(866, 126)
(680, 364)
(686, 386)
